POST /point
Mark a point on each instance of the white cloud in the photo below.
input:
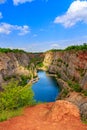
(17, 2)
(2, 1)
(1, 15)
(6, 28)
(23, 29)
(55, 45)
(77, 12)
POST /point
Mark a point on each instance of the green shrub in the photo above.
(24, 80)
(5, 115)
(85, 92)
(14, 96)
(58, 75)
(60, 60)
(75, 86)
(40, 64)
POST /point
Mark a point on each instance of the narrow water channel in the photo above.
(46, 88)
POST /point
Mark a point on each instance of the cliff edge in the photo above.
(60, 115)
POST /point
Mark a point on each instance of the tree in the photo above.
(14, 96)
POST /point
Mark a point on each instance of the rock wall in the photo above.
(16, 64)
(79, 100)
(69, 65)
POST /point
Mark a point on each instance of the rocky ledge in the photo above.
(68, 65)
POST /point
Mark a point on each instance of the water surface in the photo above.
(46, 88)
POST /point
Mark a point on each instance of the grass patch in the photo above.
(40, 64)
(5, 115)
(84, 120)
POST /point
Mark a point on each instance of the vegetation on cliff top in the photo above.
(77, 47)
(73, 47)
(13, 98)
(6, 50)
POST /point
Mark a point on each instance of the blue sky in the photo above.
(40, 25)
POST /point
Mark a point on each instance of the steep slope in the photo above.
(69, 65)
(60, 115)
(15, 64)
(70, 68)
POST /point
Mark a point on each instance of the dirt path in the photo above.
(46, 117)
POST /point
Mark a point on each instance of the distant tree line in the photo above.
(77, 47)
(73, 47)
(54, 50)
(6, 50)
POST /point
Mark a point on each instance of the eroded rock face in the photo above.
(68, 65)
(16, 64)
(83, 109)
(84, 82)
(80, 101)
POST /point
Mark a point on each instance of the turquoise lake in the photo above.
(46, 88)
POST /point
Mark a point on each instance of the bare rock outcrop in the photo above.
(16, 64)
(63, 110)
(69, 65)
(80, 101)
(84, 82)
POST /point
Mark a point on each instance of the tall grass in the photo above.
(7, 114)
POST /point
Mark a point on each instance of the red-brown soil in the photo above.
(60, 115)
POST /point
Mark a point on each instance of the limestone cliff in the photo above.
(69, 65)
(15, 64)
